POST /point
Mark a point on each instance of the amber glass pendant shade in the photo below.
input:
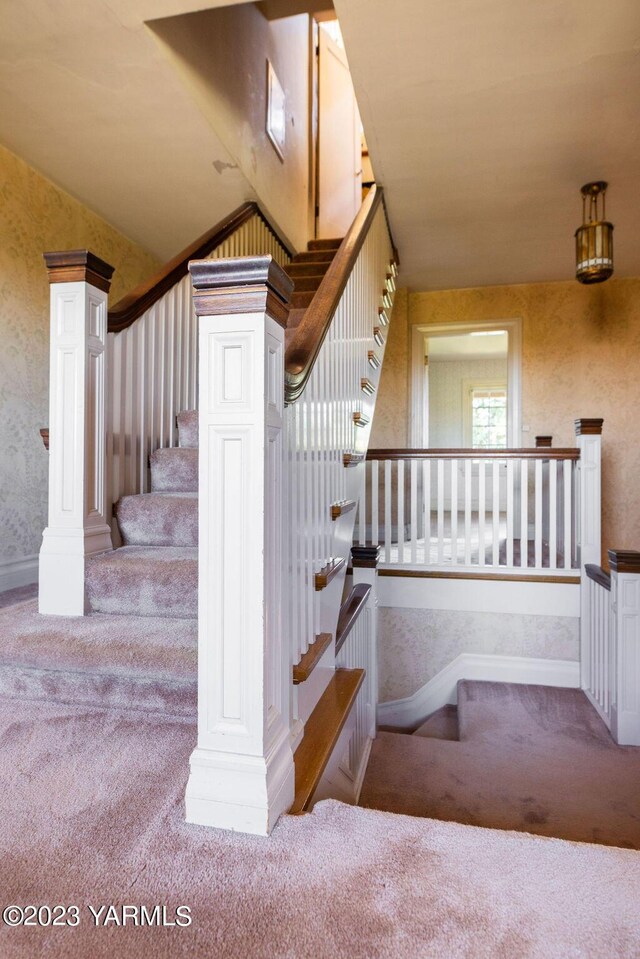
(594, 239)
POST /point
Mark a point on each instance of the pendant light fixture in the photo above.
(594, 239)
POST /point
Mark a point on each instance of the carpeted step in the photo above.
(488, 711)
(174, 470)
(120, 662)
(158, 519)
(188, 428)
(331, 244)
(145, 581)
(442, 724)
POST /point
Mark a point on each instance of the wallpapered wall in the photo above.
(36, 216)
(446, 405)
(581, 354)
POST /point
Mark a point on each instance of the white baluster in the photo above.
(625, 608)
(510, 512)
(553, 514)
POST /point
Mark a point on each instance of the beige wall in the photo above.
(36, 216)
(580, 358)
(222, 57)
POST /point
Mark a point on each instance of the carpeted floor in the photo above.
(19, 594)
(530, 758)
(92, 812)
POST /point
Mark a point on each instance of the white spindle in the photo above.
(481, 513)
(400, 479)
(454, 512)
(524, 513)
(567, 466)
(495, 513)
(440, 495)
(467, 511)
(510, 513)
(538, 514)
(387, 511)
(374, 501)
(414, 510)
(553, 514)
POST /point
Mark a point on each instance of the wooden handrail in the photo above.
(598, 575)
(134, 304)
(309, 335)
(541, 453)
(350, 611)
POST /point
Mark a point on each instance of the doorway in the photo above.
(338, 139)
(466, 389)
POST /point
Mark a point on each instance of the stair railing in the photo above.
(283, 433)
(152, 354)
(117, 380)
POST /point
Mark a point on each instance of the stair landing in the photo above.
(534, 759)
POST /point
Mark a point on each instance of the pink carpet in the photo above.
(530, 758)
(92, 812)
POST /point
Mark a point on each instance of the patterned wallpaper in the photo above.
(36, 216)
(390, 424)
(415, 644)
(581, 355)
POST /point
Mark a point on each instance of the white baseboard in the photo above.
(442, 689)
(18, 572)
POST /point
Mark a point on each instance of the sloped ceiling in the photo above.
(485, 117)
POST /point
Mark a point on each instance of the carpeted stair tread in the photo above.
(174, 470)
(145, 581)
(127, 662)
(442, 724)
(188, 429)
(158, 519)
(526, 712)
(556, 787)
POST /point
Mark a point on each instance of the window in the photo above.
(484, 412)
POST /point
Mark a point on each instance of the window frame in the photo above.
(468, 388)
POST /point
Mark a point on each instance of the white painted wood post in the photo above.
(364, 561)
(242, 774)
(625, 604)
(589, 507)
(78, 524)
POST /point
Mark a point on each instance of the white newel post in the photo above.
(589, 441)
(625, 606)
(364, 562)
(242, 774)
(78, 523)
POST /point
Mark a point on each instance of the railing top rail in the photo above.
(598, 575)
(540, 453)
(350, 611)
(309, 335)
(142, 298)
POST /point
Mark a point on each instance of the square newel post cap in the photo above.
(588, 427)
(247, 284)
(543, 442)
(78, 266)
(624, 560)
(365, 557)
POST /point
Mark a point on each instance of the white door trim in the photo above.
(418, 435)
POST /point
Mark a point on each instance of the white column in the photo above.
(589, 525)
(625, 604)
(364, 561)
(78, 523)
(242, 774)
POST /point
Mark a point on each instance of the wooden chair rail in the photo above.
(350, 611)
(124, 313)
(545, 453)
(309, 335)
(598, 575)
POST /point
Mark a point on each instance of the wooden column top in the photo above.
(365, 557)
(544, 442)
(586, 427)
(624, 560)
(78, 266)
(248, 284)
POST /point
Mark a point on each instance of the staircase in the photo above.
(155, 572)
(307, 270)
(512, 756)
